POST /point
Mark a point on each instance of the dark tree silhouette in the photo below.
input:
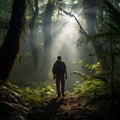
(9, 51)
(91, 21)
(31, 34)
(47, 34)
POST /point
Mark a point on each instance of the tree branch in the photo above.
(72, 15)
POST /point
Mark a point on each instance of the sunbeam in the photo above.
(64, 44)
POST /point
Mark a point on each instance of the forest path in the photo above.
(65, 108)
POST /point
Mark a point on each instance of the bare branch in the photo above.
(72, 15)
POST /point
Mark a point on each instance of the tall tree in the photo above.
(47, 33)
(9, 51)
(91, 21)
(32, 30)
(90, 16)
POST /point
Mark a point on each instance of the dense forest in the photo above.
(86, 33)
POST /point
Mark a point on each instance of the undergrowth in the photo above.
(34, 97)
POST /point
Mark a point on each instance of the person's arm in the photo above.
(65, 75)
(53, 71)
(65, 71)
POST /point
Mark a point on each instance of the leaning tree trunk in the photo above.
(47, 35)
(9, 51)
(91, 27)
(31, 34)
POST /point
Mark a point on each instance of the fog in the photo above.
(65, 35)
(65, 44)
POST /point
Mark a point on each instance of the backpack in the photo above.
(59, 68)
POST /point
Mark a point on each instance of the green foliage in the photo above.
(26, 96)
(92, 89)
(34, 97)
(91, 70)
(10, 93)
(96, 68)
(81, 75)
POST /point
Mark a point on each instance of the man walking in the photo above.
(59, 74)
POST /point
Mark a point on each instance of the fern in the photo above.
(34, 97)
(92, 88)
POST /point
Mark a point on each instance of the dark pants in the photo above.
(60, 85)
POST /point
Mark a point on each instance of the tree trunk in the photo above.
(9, 51)
(31, 34)
(47, 35)
(91, 27)
(90, 17)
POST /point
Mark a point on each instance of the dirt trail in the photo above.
(67, 108)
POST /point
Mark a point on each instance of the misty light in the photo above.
(64, 44)
(70, 19)
(65, 39)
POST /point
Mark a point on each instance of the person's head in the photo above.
(59, 58)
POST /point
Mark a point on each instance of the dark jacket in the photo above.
(59, 68)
